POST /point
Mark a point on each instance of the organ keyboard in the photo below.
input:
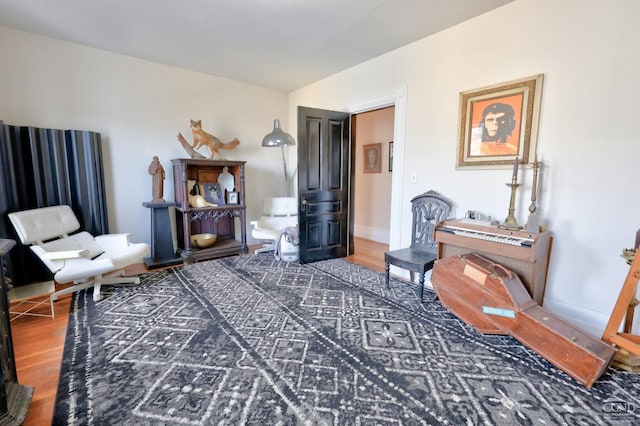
(526, 254)
(511, 239)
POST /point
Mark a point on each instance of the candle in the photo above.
(515, 168)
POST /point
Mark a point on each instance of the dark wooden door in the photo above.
(323, 183)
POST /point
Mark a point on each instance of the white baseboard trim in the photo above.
(373, 234)
(592, 322)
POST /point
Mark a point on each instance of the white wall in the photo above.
(372, 191)
(138, 107)
(586, 49)
(588, 143)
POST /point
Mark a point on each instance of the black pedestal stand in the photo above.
(162, 252)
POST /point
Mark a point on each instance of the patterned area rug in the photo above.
(248, 340)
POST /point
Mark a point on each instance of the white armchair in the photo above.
(81, 258)
(278, 214)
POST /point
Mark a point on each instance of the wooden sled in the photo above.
(493, 300)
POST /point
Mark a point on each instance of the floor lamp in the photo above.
(278, 138)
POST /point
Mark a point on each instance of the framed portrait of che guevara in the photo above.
(499, 123)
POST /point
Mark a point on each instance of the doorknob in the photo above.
(304, 202)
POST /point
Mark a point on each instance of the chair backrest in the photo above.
(279, 213)
(37, 225)
(280, 206)
(428, 209)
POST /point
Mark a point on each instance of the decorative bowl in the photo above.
(203, 240)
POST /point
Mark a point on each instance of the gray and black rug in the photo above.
(249, 340)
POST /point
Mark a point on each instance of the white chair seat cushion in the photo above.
(269, 227)
(265, 234)
(80, 241)
(82, 268)
(119, 250)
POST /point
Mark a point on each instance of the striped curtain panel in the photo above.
(46, 167)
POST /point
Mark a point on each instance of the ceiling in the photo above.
(279, 44)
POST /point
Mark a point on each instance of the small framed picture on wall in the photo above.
(372, 155)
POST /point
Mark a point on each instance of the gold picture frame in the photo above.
(372, 158)
(499, 123)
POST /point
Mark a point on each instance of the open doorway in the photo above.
(310, 131)
(372, 133)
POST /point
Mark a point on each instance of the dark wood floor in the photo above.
(38, 342)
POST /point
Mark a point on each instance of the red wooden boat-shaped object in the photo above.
(493, 300)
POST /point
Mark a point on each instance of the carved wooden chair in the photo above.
(428, 209)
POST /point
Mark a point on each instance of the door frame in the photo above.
(397, 99)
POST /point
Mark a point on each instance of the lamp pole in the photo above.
(278, 138)
(286, 178)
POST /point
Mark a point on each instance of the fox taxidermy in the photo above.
(202, 138)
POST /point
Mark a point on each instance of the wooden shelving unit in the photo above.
(219, 220)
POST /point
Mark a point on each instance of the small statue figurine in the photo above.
(157, 172)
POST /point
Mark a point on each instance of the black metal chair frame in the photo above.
(428, 210)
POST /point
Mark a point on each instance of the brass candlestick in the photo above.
(534, 188)
(533, 223)
(510, 222)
